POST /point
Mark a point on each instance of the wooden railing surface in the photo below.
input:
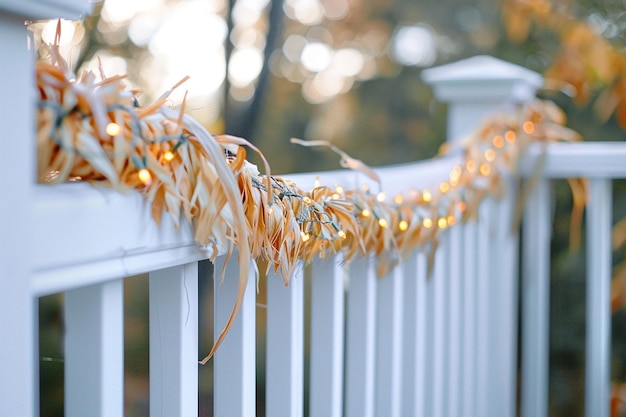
(407, 344)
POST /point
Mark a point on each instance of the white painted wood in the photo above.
(235, 360)
(505, 294)
(455, 310)
(484, 329)
(439, 352)
(18, 394)
(327, 338)
(284, 395)
(389, 340)
(48, 9)
(537, 231)
(174, 341)
(361, 340)
(94, 350)
(476, 87)
(470, 260)
(414, 353)
(576, 160)
(598, 338)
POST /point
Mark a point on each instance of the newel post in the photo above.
(475, 87)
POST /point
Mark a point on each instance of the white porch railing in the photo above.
(403, 345)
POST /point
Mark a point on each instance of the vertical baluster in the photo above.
(285, 346)
(327, 334)
(361, 340)
(536, 301)
(483, 301)
(18, 394)
(94, 350)
(470, 256)
(439, 323)
(235, 359)
(415, 337)
(174, 341)
(504, 284)
(455, 305)
(598, 353)
(389, 344)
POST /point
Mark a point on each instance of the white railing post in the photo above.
(235, 359)
(598, 352)
(94, 350)
(475, 88)
(17, 178)
(327, 338)
(174, 341)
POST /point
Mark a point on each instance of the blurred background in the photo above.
(348, 71)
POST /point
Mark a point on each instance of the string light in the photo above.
(529, 127)
(365, 213)
(381, 197)
(509, 136)
(168, 156)
(471, 165)
(339, 189)
(490, 155)
(451, 220)
(485, 169)
(336, 196)
(455, 175)
(427, 222)
(444, 187)
(398, 199)
(498, 141)
(442, 222)
(382, 222)
(305, 236)
(342, 234)
(113, 129)
(144, 176)
(461, 206)
(427, 196)
(403, 225)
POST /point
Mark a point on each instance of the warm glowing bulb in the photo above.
(398, 199)
(365, 213)
(144, 176)
(113, 129)
(382, 222)
(509, 136)
(336, 196)
(485, 169)
(529, 127)
(490, 155)
(270, 211)
(451, 220)
(168, 156)
(381, 197)
(444, 187)
(403, 225)
(442, 222)
(427, 223)
(471, 165)
(305, 236)
(427, 196)
(339, 189)
(455, 175)
(461, 206)
(498, 141)
(342, 234)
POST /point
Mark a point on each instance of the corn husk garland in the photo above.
(93, 131)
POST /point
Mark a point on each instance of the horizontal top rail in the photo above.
(576, 160)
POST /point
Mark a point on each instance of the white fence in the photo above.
(404, 345)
